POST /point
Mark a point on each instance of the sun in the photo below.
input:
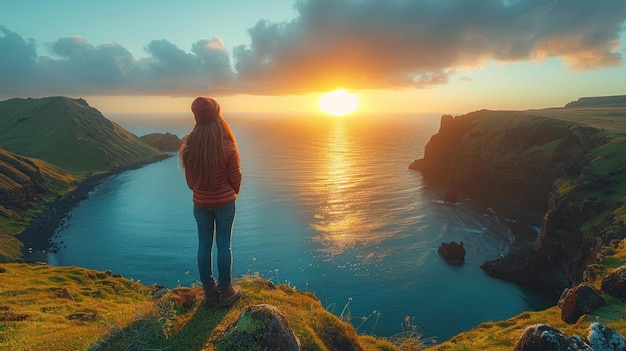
(339, 102)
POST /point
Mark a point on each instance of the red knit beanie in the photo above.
(205, 110)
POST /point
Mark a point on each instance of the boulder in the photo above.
(614, 283)
(259, 327)
(602, 338)
(562, 297)
(580, 300)
(544, 337)
(452, 251)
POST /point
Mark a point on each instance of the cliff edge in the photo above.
(567, 163)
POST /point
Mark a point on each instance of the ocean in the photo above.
(327, 205)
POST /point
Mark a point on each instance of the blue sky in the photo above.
(449, 56)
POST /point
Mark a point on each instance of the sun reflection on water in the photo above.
(341, 218)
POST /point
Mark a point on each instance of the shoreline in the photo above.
(37, 237)
(524, 224)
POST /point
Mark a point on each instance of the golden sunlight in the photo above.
(339, 102)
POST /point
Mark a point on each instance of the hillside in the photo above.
(27, 185)
(69, 134)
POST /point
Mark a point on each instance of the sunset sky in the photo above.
(441, 56)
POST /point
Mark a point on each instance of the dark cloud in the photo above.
(352, 43)
(18, 60)
(372, 44)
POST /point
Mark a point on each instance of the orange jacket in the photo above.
(227, 184)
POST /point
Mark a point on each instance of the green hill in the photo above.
(69, 134)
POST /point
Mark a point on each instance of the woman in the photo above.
(210, 159)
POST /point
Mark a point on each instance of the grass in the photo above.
(71, 308)
(64, 308)
(502, 335)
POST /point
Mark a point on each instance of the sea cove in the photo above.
(327, 205)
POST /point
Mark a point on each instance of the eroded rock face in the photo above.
(543, 337)
(602, 338)
(260, 327)
(614, 283)
(580, 300)
(22, 178)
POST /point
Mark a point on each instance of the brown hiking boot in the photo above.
(229, 295)
(211, 295)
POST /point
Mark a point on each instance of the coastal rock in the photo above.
(453, 252)
(544, 337)
(614, 283)
(580, 300)
(260, 327)
(602, 338)
(450, 196)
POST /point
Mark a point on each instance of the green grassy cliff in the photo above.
(69, 134)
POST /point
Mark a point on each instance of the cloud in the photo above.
(359, 44)
(395, 44)
(18, 60)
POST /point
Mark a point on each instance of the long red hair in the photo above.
(203, 148)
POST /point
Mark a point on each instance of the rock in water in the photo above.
(453, 252)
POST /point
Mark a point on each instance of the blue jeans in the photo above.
(218, 220)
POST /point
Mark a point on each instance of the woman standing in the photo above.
(210, 159)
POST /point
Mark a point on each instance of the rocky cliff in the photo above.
(570, 164)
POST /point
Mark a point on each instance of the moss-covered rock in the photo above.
(260, 327)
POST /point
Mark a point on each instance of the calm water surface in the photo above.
(327, 205)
